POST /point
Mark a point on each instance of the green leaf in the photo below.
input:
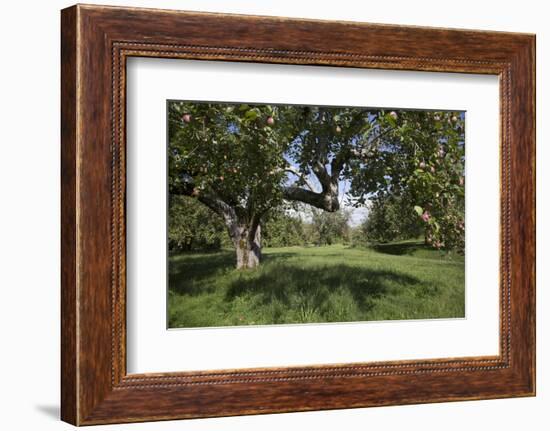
(391, 120)
(251, 114)
(418, 210)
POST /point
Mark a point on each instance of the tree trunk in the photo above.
(244, 231)
(248, 246)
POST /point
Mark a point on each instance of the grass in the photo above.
(404, 280)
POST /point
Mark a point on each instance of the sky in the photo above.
(358, 215)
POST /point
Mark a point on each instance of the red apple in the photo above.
(270, 121)
(186, 118)
(422, 165)
(425, 216)
(393, 114)
(338, 129)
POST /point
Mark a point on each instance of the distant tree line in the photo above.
(390, 218)
(193, 227)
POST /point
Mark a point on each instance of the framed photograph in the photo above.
(265, 215)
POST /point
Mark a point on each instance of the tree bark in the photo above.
(326, 200)
(248, 247)
(244, 230)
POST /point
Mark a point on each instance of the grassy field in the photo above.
(316, 284)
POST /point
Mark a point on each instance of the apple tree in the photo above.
(243, 160)
(420, 161)
(230, 159)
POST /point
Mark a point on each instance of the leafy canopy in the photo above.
(252, 157)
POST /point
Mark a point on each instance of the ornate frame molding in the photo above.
(96, 41)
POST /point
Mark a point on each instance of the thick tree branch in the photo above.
(215, 203)
(227, 212)
(337, 164)
(326, 200)
(254, 226)
(320, 171)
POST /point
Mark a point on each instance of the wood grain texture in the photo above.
(69, 367)
(96, 41)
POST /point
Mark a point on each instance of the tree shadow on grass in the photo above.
(278, 256)
(400, 249)
(196, 268)
(302, 253)
(301, 293)
(188, 271)
(289, 284)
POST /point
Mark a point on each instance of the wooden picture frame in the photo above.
(95, 43)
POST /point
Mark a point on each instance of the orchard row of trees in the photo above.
(193, 227)
(244, 163)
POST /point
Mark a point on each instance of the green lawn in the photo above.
(316, 284)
